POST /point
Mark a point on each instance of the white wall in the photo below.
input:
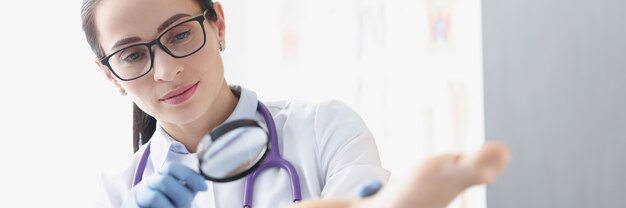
(38, 60)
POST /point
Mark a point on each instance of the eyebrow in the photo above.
(125, 41)
(160, 29)
(171, 20)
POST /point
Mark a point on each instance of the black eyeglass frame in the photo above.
(157, 41)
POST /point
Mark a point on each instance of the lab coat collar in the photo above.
(164, 146)
(246, 107)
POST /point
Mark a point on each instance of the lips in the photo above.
(179, 94)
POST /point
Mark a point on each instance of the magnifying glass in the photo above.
(232, 150)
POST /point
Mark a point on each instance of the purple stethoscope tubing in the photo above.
(273, 160)
(141, 166)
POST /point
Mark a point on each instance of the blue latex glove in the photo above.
(370, 188)
(174, 186)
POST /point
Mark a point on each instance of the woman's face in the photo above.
(200, 73)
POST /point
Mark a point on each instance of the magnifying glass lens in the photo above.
(233, 154)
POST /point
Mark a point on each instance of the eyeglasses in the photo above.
(180, 41)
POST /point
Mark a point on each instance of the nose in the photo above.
(165, 67)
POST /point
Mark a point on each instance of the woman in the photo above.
(165, 55)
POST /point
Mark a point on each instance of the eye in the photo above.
(133, 57)
(181, 36)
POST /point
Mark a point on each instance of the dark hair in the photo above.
(143, 124)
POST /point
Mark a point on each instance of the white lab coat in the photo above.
(327, 142)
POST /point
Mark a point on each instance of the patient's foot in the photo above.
(435, 183)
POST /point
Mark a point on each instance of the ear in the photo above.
(220, 23)
(107, 73)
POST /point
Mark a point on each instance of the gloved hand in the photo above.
(174, 186)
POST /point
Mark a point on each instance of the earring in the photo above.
(222, 46)
(123, 92)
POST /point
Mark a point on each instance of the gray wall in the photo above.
(555, 92)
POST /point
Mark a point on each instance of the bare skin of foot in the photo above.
(433, 184)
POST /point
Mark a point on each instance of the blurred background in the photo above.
(427, 76)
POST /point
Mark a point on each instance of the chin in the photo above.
(185, 114)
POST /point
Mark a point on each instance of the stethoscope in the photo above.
(269, 159)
